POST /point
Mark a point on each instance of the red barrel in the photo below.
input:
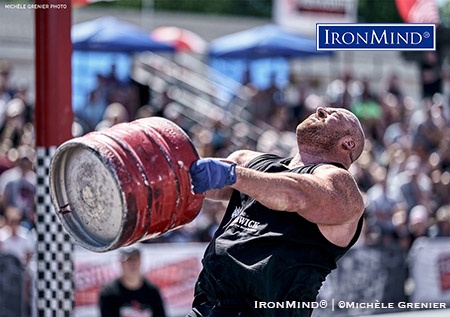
(125, 184)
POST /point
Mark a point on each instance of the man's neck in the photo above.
(132, 282)
(306, 158)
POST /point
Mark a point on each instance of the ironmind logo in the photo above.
(375, 37)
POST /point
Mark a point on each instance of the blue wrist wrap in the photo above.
(209, 174)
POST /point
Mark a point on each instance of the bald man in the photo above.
(287, 223)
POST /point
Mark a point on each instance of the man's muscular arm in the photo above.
(328, 197)
(241, 158)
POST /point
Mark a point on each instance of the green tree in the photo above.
(261, 8)
(258, 8)
(444, 12)
(378, 11)
(369, 11)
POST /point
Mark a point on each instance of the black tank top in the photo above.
(267, 255)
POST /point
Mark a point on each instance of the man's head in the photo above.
(130, 258)
(13, 217)
(333, 133)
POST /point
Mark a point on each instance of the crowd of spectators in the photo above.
(404, 172)
(17, 178)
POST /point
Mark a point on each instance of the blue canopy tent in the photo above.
(103, 45)
(264, 42)
(261, 49)
(109, 34)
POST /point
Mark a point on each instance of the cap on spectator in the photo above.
(127, 252)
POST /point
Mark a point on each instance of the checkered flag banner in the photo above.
(55, 287)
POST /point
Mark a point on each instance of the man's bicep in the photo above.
(337, 199)
(243, 157)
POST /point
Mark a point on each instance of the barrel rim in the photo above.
(68, 226)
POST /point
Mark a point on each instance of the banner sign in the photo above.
(376, 37)
(430, 269)
(301, 16)
(364, 275)
(173, 267)
(368, 280)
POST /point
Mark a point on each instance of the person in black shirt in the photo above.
(131, 295)
(287, 223)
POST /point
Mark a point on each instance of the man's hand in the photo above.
(209, 174)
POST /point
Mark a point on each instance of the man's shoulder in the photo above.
(243, 157)
(21, 233)
(5, 232)
(110, 288)
(331, 169)
(151, 286)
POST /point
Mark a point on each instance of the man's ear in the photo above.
(348, 143)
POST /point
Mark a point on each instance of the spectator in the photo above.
(15, 239)
(22, 94)
(295, 93)
(4, 98)
(419, 222)
(369, 112)
(6, 91)
(15, 123)
(394, 86)
(381, 206)
(98, 99)
(131, 294)
(341, 92)
(20, 193)
(17, 184)
(92, 114)
(415, 185)
(442, 228)
(402, 234)
(5, 73)
(115, 113)
(429, 132)
(6, 162)
(19, 242)
(268, 101)
(430, 70)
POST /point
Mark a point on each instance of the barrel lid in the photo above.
(87, 197)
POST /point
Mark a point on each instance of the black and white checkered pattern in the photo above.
(55, 287)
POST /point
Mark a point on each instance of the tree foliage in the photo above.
(369, 11)
(378, 11)
(257, 8)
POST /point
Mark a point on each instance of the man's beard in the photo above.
(316, 136)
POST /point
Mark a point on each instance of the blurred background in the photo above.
(241, 74)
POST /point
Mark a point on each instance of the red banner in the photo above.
(82, 3)
(174, 268)
(418, 11)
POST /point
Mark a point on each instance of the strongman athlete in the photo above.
(287, 223)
